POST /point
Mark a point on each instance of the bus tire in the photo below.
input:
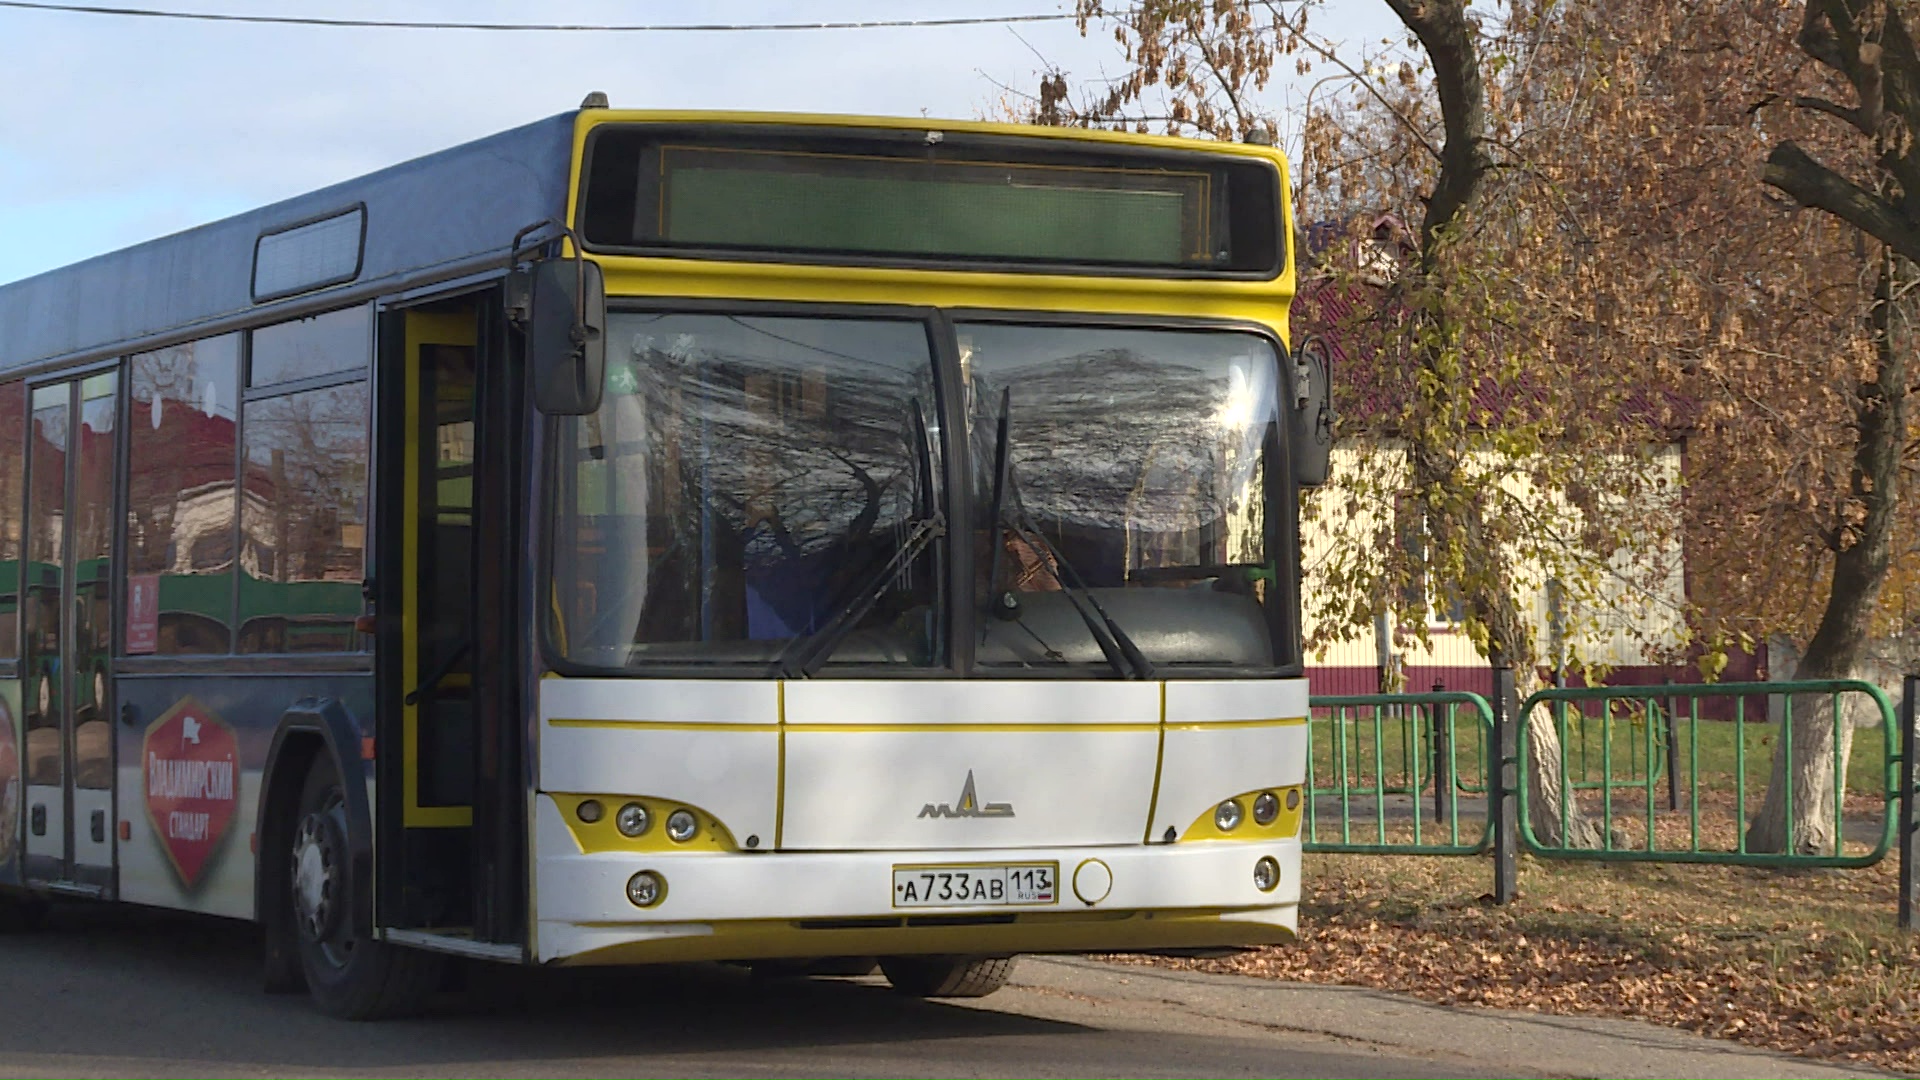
(348, 976)
(947, 976)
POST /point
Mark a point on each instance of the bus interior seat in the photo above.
(43, 756)
(93, 754)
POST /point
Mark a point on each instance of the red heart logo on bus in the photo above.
(192, 765)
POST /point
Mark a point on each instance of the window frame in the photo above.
(1081, 153)
(287, 390)
(249, 388)
(1414, 540)
(302, 288)
(251, 393)
(554, 452)
(125, 484)
(1284, 623)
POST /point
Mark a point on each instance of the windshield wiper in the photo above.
(804, 656)
(1125, 657)
(1004, 604)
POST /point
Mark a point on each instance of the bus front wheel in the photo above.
(947, 976)
(348, 975)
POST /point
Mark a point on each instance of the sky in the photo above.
(115, 130)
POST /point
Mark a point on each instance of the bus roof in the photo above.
(923, 123)
(458, 203)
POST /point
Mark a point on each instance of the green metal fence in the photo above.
(1587, 728)
(1389, 773)
(1615, 741)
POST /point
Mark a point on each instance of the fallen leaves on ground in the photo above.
(1806, 962)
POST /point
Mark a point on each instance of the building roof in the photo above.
(1360, 321)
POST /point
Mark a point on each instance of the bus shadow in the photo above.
(124, 989)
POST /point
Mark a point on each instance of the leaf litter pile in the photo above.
(1806, 962)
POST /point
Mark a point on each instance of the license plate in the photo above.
(1012, 885)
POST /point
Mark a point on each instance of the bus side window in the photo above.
(303, 486)
(303, 521)
(181, 494)
(13, 462)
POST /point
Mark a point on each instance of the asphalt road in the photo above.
(122, 992)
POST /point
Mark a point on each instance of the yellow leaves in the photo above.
(1623, 253)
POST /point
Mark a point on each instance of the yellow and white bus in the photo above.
(642, 537)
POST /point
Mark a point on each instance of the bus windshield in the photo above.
(1141, 458)
(744, 477)
(765, 491)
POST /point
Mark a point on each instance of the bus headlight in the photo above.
(1228, 815)
(1266, 874)
(646, 888)
(632, 820)
(681, 825)
(1266, 807)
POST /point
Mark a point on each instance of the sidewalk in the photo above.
(1478, 1040)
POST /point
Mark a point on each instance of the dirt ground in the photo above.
(1806, 961)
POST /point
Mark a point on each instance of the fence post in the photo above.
(1904, 804)
(1673, 753)
(1442, 727)
(1503, 791)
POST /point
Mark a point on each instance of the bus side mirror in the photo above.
(565, 302)
(1310, 425)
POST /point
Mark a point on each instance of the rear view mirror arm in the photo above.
(564, 346)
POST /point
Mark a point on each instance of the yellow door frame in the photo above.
(424, 329)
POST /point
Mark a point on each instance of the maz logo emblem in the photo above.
(968, 805)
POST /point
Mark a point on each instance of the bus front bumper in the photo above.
(746, 906)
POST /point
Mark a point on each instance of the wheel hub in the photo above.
(316, 878)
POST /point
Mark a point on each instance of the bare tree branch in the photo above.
(1814, 185)
(1817, 38)
(1443, 30)
(1330, 55)
(1854, 117)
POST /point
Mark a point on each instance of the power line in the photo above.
(388, 24)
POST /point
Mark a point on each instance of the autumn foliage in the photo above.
(1636, 221)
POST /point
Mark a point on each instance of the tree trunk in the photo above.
(1804, 766)
(1808, 752)
(1439, 477)
(1489, 594)
(1543, 773)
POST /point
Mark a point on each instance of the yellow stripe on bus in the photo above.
(423, 329)
(843, 729)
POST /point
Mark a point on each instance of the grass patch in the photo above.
(1392, 751)
(1807, 962)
